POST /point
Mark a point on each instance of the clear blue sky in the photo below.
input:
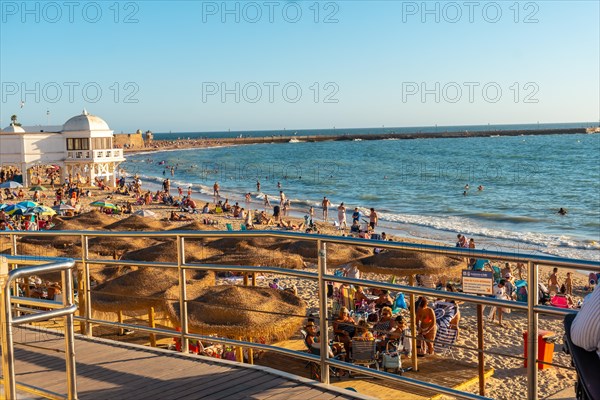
(375, 61)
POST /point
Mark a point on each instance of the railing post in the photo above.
(183, 315)
(413, 326)
(322, 266)
(532, 330)
(8, 358)
(152, 324)
(480, 347)
(87, 290)
(69, 335)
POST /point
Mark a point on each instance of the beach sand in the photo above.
(509, 379)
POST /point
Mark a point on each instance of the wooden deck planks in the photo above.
(117, 371)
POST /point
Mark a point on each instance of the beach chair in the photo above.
(243, 227)
(364, 352)
(497, 273)
(521, 289)
(229, 227)
(480, 265)
(444, 339)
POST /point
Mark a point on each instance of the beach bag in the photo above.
(400, 302)
(391, 359)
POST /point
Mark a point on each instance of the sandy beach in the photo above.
(507, 340)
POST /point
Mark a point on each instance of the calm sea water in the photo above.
(417, 185)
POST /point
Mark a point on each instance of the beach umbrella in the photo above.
(63, 207)
(138, 290)
(10, 185)
(102, 203)
(41, 210)
(240, 311)
(3, 206)
(27, 204)
(405, 263)
(145, 213)
(15, 209)
(37, 188)
(246, 254)
(136, 223)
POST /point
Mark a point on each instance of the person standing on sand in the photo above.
(569, 284)
(267, 202)
(356, 215)
(553, 281)
(180, 191)
(311, 212)
(426, 327)
(342, 216)
(189, 192)
(373, 219)
(281, 198)
(216, 188)
(325, 204)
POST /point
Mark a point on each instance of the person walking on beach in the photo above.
(553, 281)
(180, 191)
(373, 219)
(326, 204)
(216, 190)
(189, 192)
(342, 216)
(311, 212)
(281, 198)
(267, 202)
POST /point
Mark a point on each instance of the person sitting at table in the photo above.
(384, 299)
(386, 323)
(362, 331)
(343, 328)
(402, 335)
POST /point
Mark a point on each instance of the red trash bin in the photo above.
(545, 348)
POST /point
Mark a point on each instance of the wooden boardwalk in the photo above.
(112, 370)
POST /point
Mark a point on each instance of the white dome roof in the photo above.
(13, 129)
(85, 122)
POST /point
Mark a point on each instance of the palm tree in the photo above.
(13, 120)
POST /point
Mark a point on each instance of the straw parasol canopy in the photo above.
(93, 218)
(167, 252)
(141, 289)
(136, 223)
(60, 224)
(245, 254)
(336, 253)
(110, 245)
(404, 262)
(242, 311)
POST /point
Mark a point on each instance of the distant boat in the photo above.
(294, 140)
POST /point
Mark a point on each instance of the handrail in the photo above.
(8, 321)
(532, 308)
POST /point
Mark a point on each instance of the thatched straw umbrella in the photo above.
(336, 253)
(244, 254)
(110, 245)
(63, 225)
(167, 252)
(141, 289)
(404, 263)
(136, 223)
(93, 218)
(241, 311)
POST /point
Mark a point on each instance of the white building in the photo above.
(82, 148)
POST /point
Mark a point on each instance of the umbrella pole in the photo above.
(250, 354)
(120, 316)
(254, 279)
(239, 352)
(152, 324)
(413, 326)
(245, 279)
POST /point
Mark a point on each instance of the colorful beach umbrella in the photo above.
(10, 185)
(41, 210)
(63, 207)
(102, 203)
(3, 206)
(28, 204)
(15, 209)
(37, 188)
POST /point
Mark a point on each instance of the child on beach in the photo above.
(569, 284)
(553, 281)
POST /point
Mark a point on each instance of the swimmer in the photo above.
(467, 186)
(465, 193)
(562, 211)
(480, 188)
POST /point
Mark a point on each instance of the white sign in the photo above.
(477, 282)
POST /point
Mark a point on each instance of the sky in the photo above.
(192, 66)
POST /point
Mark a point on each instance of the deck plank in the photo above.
(107, 369)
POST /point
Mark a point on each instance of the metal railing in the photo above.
(65, 309)
(322, 277)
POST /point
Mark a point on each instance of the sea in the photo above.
(503, 191)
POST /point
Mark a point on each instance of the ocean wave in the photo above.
(503, 217)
